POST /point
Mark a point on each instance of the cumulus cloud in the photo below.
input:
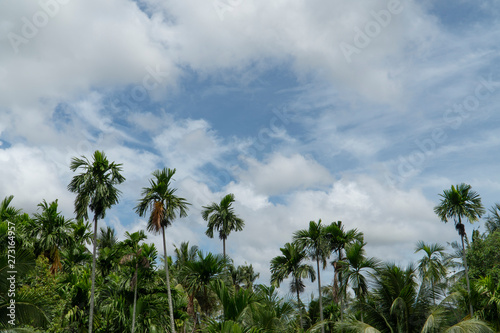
(281, 174)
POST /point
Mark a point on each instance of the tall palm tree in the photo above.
(314, 240)
(291, 262)
(164, 206)
(51, 232)
(457, 203)
(431, 267)
(135, 257)
(222, 218)
(338, 239)
(355, 268)
(95, 191)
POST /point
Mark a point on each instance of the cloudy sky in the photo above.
(359, 111)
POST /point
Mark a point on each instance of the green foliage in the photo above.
(209, 293)
(222, 218)
(484, 257)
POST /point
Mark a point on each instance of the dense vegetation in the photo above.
(120, 286)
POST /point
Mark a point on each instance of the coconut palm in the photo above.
(431, 267)
(222, 218)
(457, 203)
(95, 191)
(164, 207)
(291, 262)
(314, 240)
(134, 257)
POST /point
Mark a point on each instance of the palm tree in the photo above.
(249, 276)
(493, 220)
(221, 218)
(197, 275)
(51, 232)
(457, 203)
(274, 314)
(292, 263)
(7, 212)
(354, 269)
(431, 267)
(95, 190)
(314, 240)
(160, 199)
(137, 259)
(184, 253)
(339, 239)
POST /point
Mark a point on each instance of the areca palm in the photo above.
(274, 314)
(51, 232)
(7, 212)
(164, 207)
(457, 203)
(354, 269)
(222, 218)
(197, 276)
(315, 242)
(493, 220)
(95, 191)
(137, 260)
(338, 239)
(184, 253)
(431, 267)
(291, 262)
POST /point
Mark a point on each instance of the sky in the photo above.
(359, 111)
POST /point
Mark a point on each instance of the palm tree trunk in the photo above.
(135, 298)
(92, 290)
(298, 302)
(340, 286)
(172, 322)
(467, 277)
(224, 247)
(320, 301)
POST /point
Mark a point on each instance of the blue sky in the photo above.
(355, 111)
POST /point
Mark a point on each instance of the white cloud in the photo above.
(84, 45)
(188, 145)
(281, 174)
